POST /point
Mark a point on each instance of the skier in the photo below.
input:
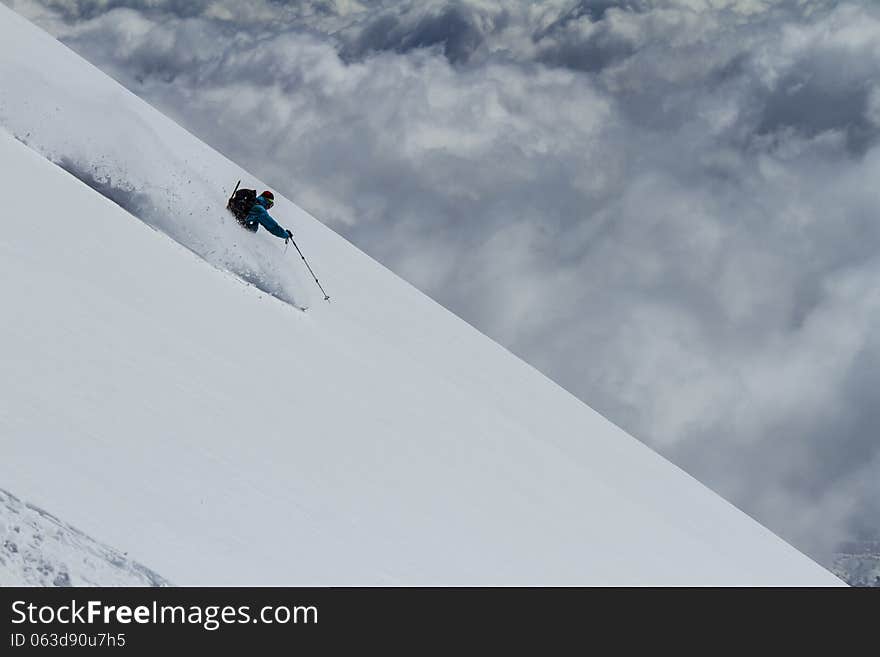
(251, 210)
(252, 213)
(259, 215)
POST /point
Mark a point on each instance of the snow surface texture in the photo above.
(858, 563)
(226, 438)
(37, 549)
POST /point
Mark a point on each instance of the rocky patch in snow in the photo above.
(38, 549)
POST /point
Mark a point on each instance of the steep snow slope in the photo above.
(219, 436)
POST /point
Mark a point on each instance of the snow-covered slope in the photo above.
(220, 436)
(38, 549)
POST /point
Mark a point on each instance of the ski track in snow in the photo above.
(156, 207)
(161, 206)
(180, 199)
(38, 549)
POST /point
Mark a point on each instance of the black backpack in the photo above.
(241, 202)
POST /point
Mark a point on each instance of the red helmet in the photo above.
(268, 195)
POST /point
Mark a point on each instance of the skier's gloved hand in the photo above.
(289, 236)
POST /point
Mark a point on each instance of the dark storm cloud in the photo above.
(668, 207)
(822, 96)
(452, 28)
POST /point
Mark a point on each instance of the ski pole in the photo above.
(233, 193)
(326, 297)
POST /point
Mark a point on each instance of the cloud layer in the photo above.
(669, 207)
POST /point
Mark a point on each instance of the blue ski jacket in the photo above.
(259, 214)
